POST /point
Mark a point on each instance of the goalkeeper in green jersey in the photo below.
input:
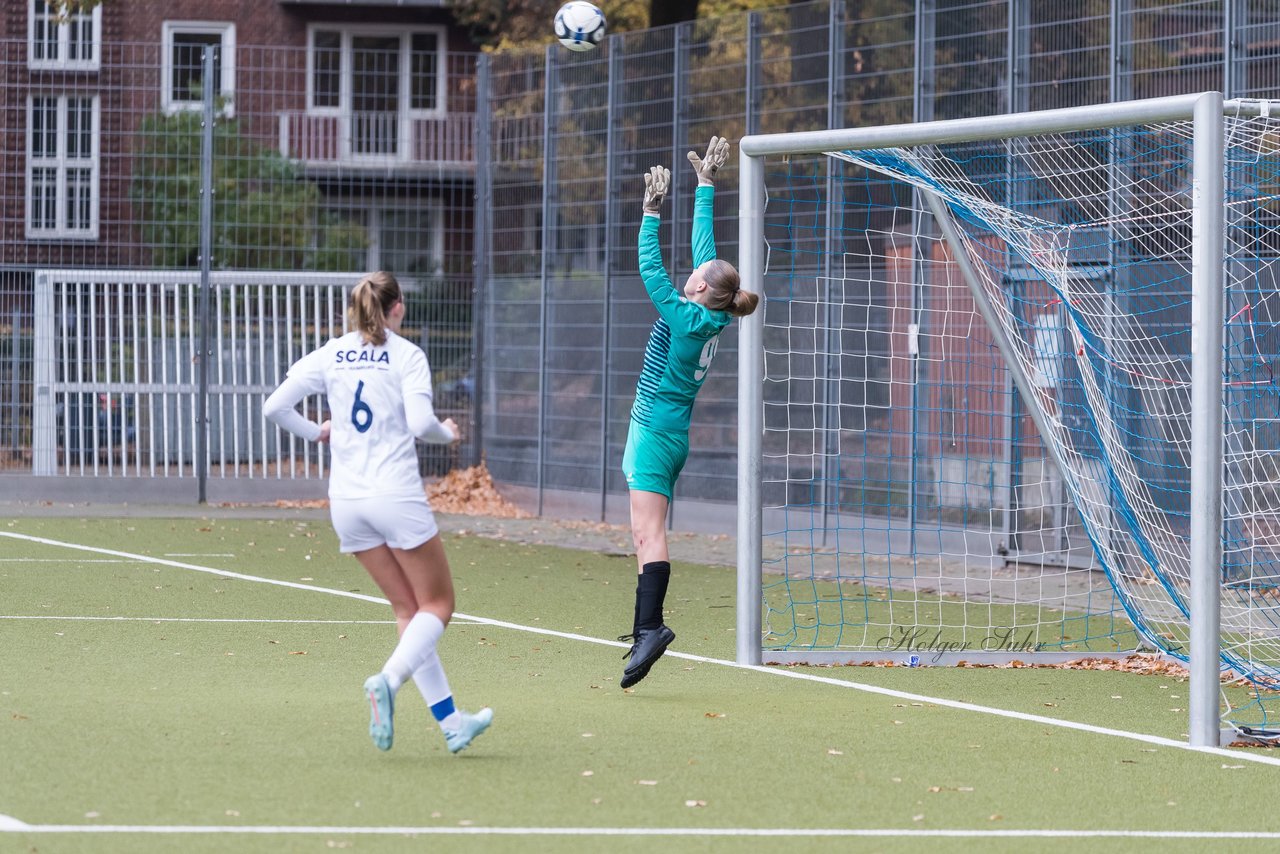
(676, 360)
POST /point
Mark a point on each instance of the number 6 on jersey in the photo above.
(360, 410)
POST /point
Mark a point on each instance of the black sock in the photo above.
(651, 591)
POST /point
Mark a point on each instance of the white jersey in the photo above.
(371, 447)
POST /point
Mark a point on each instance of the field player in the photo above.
(677, 357)
(379, 390)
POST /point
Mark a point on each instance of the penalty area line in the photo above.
(119, 619)
(13, 825)
(177, 564)
(1237, 755)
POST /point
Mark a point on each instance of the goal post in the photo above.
(991, 312)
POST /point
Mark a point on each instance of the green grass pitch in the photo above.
(195, 701)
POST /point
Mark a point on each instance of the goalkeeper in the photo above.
(681, 346)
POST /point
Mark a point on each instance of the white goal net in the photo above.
(978, 389)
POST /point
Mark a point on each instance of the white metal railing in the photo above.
(378, 138)
(116, 369)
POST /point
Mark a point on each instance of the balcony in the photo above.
(380, 141)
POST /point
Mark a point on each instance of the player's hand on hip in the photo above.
(656, 183)
(709, 164)
(323, 438)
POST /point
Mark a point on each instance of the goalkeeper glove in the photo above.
(708, 165)
(656, 183)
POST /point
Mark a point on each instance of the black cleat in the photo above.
(647, 648)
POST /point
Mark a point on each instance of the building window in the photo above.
(424, 72)
(410, 240)
(326, 69)
(182, 78)
(377, 80)
(407, 240)
(62, 166)
(73, 43)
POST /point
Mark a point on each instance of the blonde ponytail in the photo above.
(744, 303)
(726, 289)
(372, 299)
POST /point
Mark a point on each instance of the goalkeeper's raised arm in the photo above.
(677, 358)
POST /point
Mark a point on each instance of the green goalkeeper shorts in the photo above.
(653, 459)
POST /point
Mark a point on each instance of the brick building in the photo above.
(370, 103)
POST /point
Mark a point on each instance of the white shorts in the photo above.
(366, 523)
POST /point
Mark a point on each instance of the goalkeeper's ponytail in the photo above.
(726, 289)
(371, 302)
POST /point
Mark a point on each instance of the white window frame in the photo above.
(63, 62)
(435, 234)
(227, 85)
(373, 225)
(346, 32)
(61, 164)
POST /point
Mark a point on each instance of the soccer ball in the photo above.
(580, 25)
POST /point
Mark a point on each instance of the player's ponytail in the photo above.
(726, 289)
(744, 303)
(372, 299)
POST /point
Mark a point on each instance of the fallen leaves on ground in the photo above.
(1146, 664)
(468, 492)
(471, 492)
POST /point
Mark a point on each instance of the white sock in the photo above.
(431, 681)
(417, 645)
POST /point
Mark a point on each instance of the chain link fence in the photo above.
(568, 136)
(512, 225)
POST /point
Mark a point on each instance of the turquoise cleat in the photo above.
(381, 702)
(472, 725)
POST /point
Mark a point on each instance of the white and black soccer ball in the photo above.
(580, 25)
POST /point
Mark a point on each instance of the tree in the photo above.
(266, 215)
(663, 12)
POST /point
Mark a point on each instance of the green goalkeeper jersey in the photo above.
(683, 340)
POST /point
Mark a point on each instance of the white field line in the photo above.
(57, 619)
(194, 568)
(13, 825)
(61, 560)
(1235, 755)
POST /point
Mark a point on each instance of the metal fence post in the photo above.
(921, 111)
(44, 439)
(1015, 49)
(679, 132)
(548, 192)
(1120, 82)
(15, 393)
(752, 118)
(1234, 17)
(484, 230)
(615, 61)
(206, 251)
(833, 209)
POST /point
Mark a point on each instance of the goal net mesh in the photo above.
(913, 504)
